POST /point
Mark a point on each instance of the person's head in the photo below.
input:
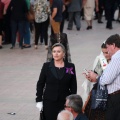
(58, 51)
(113, 44)
(74, 103)
(105, 51)
(65, 115)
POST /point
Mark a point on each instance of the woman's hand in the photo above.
(39, 105)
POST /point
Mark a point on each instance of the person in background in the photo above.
(57, 80)
(74, 9)
(99, 66)
(65, 115)
(74, 104)
(18, 20)
(89, 6)
(1, 22)
(26, 36)
(56, 15)
(6, 23)
(109, 12)
(111, 78)
(42, 11)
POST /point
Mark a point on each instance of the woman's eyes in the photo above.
(56, 51)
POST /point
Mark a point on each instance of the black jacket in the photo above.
(18, 9)
(81, 116)
(55, 88)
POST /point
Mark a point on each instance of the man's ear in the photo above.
(114, 45)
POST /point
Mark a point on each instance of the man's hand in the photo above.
(92, 76)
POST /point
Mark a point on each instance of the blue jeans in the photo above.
(26, 36)
(20, 27)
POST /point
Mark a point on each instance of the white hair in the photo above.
(65, 115)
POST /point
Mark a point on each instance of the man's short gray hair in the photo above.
(75, 102)
(65, 115)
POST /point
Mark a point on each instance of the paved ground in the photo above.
(19, 69)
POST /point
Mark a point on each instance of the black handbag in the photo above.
(42, 115)
(99, 97)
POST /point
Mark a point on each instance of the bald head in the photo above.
(65, 115)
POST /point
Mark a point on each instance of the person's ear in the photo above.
(114, 45)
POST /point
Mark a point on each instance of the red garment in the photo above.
(6, 3)
(1, 9)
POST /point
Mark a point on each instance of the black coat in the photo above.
(81, 116)
(55, 88)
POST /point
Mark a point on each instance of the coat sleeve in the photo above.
(73, 84)
(41, 84)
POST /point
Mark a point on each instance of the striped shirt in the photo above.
(111, 75)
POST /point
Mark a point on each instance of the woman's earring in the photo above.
(64, 58)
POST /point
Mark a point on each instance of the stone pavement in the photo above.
(20, 69)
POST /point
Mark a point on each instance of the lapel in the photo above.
(52, 68)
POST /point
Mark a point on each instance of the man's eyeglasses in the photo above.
(65, 106)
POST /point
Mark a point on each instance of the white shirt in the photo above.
(111, 75)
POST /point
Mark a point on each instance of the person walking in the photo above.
(56, 15)
(74, 9)
(42, 11)
(18, 20)
(89, 6)
(57, 80)
(1, 21)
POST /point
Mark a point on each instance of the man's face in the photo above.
(67, 107)
(111, 49)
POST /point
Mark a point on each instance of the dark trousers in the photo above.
(41, 29)
(20, 27)
(1, 26)
(52, 108)
(7, 28)
(113, 110)
(109, 11)
(74, 16)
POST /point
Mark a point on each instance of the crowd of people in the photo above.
(16, 27)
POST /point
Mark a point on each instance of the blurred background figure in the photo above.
(89, 6)
(74, 10)
(42, 12)
(1, 22)
(26, 36)
(18, 20)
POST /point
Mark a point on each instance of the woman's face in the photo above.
(58, 53)
(106, 54)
